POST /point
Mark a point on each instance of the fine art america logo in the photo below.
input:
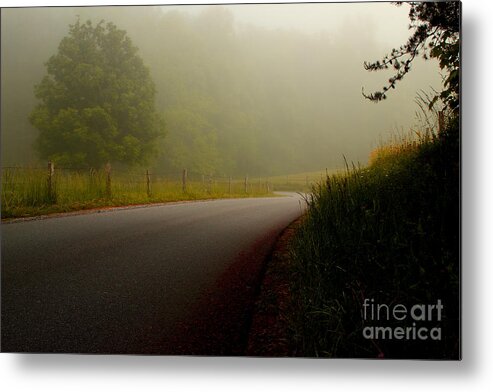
(421, 321)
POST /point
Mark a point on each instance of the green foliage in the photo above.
(193, 142)
(97, 101)
(388, 232)
(436, 28)
(264, 97)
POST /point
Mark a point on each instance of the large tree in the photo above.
(436, 33)
(97, 101)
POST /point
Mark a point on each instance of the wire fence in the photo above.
(41, 186)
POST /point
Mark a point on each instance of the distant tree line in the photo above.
(234, 100)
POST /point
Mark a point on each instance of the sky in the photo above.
(323, 17)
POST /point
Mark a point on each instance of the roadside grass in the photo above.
(388, 232)
(25, 191)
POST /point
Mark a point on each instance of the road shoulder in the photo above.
(270, 333)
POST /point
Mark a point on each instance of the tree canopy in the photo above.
(97, 101)
(436, 27)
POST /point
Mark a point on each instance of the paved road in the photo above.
(169, 279)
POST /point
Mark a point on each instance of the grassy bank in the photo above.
(388, 233)
(25, 191)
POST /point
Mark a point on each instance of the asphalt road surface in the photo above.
(168, 279)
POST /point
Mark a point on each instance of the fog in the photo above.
(258, 89)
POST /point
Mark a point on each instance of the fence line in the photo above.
(53, 184)
(144, 174)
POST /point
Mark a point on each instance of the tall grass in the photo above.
(28, 188)
(25, 191)
(388, 232)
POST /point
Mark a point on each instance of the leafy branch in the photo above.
(435, 34)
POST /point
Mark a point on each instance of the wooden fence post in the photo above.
(184, 180)
(246, 184)
(148, 182)
(51, 185)
(108, 180)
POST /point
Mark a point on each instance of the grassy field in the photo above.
(25, 191)
(300, 182)
(387, 233)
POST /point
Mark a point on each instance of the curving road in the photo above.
(168, 279)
